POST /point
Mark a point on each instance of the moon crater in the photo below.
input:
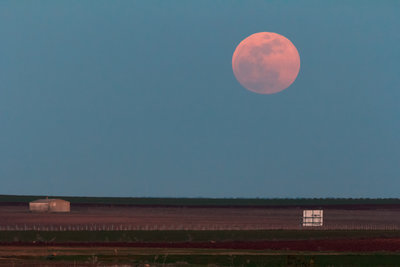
(266, 63)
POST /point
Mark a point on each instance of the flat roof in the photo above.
(48, 200)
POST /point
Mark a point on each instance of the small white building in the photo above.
(313, 217)
(49, 205)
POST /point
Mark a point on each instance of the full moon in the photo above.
(266, 63)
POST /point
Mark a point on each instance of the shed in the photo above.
(49, 205)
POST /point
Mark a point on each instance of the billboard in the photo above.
(313, 217)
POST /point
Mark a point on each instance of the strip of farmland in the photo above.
(110, 218)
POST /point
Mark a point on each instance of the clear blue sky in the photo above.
(138, 98)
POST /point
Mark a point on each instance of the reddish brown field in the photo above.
(198, 218)
(39, 251)
(322, 245)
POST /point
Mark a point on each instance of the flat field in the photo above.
(121, 256)
(200, 248)
(263, 234)
(132, 217)
(192, 257)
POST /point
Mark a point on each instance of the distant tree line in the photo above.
(152, 201)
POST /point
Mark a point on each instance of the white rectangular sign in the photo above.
(313, 217)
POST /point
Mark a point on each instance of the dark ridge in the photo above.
(326, 207)
(215, 202)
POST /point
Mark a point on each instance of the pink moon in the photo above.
(266, 63)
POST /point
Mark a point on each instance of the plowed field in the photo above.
(199, 218)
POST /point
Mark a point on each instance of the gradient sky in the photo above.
(138, 98)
